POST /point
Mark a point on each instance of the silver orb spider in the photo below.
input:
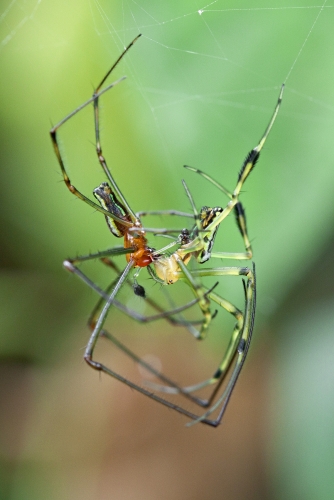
(167, 265)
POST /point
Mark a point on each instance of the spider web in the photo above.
(14, 17)
(201, 85)
(215, 56)
(221, 76)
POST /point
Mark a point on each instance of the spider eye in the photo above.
(105, 186)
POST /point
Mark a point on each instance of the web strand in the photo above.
(305, 41)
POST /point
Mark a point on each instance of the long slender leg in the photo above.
(199, 290)
(97, 327)
(219, 271)
(117, 192)
(165, 231)
(247, 166)
(227, 359)
(178, 213)
(243, 346)
(99, 255)
(53, 134)
(155, 397)
(237, 349)
(203, 300)
(102, 317)
(98, 330)
(105, 296)
(104, 333)
(241, 354)
(162, 314)
(130, 312)
(72, 188)
(240, 216)
(253, 156)
(223, 400)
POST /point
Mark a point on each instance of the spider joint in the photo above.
(93, 364)
(68, 266)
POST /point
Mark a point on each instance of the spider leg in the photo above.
(145, 392)
(98, 330)
(88, 356)
(105, 297)
(199, 292)
(143, 213)
(104, 333)
(210, 179)
(241, 354)
(253, 155)
(96, 323)
(227, 359)
(198, 224)
(237, 349)
(240, 217)
(53, 134)
(241, 223)
(161, 313)
(99, 255)
(73, 189)
(117, 192)
(157, 231)
(97, 320)
(246, 168)
(203, 300)
(164, 231)
(167, 315)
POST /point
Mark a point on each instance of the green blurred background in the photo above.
(200, 89)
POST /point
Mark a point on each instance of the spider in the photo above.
(167, 265)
